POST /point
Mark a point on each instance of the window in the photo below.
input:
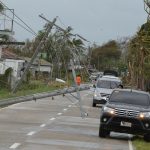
(127, 97)
(107, 84)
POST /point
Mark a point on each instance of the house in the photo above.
(10, 60)
(39, 65)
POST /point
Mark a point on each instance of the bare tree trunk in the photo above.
(142, 70)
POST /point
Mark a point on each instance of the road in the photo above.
(56, 125)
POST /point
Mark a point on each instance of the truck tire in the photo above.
(147, 137)
(103, 132)
(94, 104)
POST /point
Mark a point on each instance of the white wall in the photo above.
(45, 68)
(14, 64)
(1, 67)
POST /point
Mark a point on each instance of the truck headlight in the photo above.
(144, 115)
(109, 110)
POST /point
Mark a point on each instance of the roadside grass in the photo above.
(140, 144)
(32, 88)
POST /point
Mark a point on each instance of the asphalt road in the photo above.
(56, 125)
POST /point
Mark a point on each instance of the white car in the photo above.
(95, 75)
(104, 87)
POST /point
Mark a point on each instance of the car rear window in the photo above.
(128, 97)
(107, 84)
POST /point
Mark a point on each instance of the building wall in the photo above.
(42, 68)
(16, 65)
(1, 67)
(45, 69)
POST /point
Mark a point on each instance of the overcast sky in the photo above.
(96, 20)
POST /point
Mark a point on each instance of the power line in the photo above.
(61, 22)
(63, 29)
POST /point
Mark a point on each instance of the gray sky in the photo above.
(96, 20)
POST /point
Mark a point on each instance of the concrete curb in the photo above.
(10, 101)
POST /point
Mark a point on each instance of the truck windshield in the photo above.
(107, 84)
(128, 97)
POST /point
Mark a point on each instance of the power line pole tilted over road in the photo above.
(43, 41)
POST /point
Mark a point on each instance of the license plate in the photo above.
(126, 124)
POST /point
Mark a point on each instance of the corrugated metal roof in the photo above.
(38, 61)
(7, 54)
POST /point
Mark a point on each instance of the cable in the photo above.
(18, 18)
(61, 22)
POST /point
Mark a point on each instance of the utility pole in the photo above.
(63, 29)
(43, 41)
(83, 113)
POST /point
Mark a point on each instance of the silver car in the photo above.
(104, 87)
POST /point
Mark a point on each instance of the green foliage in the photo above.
(4, 37)
(1, 7)
(59, 48)
(147, 71)
(27, 89)
(140, 144)
(138, 56)
(5, 79)
(106, 56)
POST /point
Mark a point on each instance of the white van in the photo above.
(104, 87)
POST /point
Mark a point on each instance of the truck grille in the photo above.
(127, 113)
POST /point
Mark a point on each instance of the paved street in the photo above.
(55, 125)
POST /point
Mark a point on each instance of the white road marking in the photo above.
(130, 145)
(14, 146)
(59, 114)
(52, 119)
(42, 125)
(65, 109)
(70, 106)
(31, 133)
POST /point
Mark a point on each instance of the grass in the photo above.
(32, 88)
(140, 144)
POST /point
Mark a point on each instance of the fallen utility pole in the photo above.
(43, 41)
(35, 97)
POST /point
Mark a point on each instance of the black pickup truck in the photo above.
(127, 111)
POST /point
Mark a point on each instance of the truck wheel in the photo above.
(103, 132)
(147, 137)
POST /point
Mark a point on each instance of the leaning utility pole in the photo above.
(83, 113)
(43, 41)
